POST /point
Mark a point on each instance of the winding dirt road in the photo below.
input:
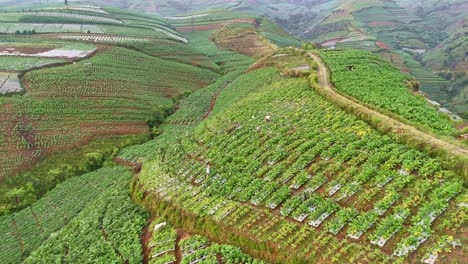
(328, 88)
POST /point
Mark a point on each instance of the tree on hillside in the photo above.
(413, 85)
(66, 2)
(93, 161)
(16, 194)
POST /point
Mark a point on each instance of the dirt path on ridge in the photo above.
(329, 88)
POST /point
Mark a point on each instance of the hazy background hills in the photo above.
(424, 37)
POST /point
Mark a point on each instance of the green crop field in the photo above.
(277, 35)
(32, 230)
(116, 92)
(110, 21)
(375, 82)
(220, 132)
(228, 60)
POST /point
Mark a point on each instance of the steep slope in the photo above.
(242, 38)
(74, 92)
(373, 81)
(448, 59)
(106, 219)
(98, 200)
(402, 32)
(286, 170)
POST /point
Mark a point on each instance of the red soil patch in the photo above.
(383, 45)
(181, 235)
(462, 126)
(129, 163)
(199, 28)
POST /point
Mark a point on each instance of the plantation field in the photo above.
(174, 51)
(375, 82)
(32, 230)
(199, 104)
(209, 20)
(242, 38)
(277, 35)
(201, 135)
(15, 63)
(227, 60)
(314, 179)
(116, 92)
(19, 53)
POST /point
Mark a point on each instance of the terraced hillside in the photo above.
(293, 172)
(91, 218)
(252, 153)
(62, 91)
(408, 33)
(79, 19)
(55, 222)
(373, 81)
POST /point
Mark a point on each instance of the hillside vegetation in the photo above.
(62, 92)
(98, 197)
(212, 135)
(284, 182)
(373, 81)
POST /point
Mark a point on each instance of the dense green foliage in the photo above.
(23, 232)
(377, 83)
(59, 167)
(116, 92)
(197, 105)
(169, 50)
(87, 20)
(106, 231)
(256, 159)
(244, 85)
(164, 244)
